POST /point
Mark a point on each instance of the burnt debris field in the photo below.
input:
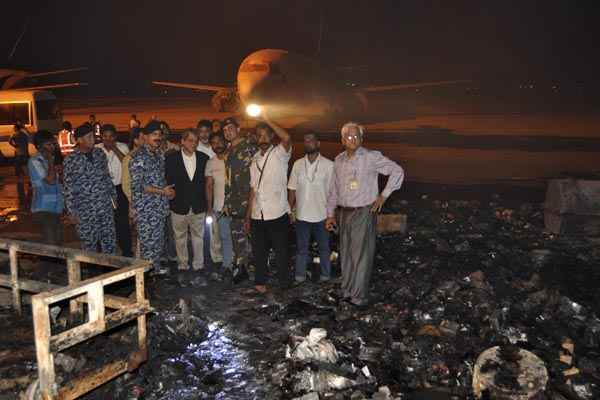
(469, 275)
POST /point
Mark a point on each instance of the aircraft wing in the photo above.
(206, 88)
(55, 86)
(410, 86)
(57, 72)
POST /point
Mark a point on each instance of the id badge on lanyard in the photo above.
(354, 184)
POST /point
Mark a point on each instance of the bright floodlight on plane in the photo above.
(209, 219)
(253, 110)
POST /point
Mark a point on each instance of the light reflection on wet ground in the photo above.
(215, 368)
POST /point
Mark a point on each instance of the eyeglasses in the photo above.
(351, 136)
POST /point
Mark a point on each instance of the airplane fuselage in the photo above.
(288, 83)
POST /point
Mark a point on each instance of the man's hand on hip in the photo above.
(376, 207)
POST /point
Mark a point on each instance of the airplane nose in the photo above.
(250, 77)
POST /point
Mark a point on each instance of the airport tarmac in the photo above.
(457, 147)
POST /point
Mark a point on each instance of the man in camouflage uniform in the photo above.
(150, 195)
(237, 188)
(90, 194)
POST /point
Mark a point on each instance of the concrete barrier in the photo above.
(391, 223)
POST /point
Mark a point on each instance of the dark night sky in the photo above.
(127, 43)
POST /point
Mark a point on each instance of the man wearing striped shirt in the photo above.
(354, 193)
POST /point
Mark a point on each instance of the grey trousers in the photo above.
(357, 251)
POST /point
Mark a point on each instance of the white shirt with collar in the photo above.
(270, 193)
(115, 168)
(311, 181)
(215, 168)
(206, 149)
(190, 164)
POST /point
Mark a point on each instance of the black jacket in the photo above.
(188, 194)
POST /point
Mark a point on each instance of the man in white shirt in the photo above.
(268, 206)
(115, 152)
(308, 190)
(203, 130)
(215, 196)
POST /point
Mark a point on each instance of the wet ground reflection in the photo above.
(214, 368)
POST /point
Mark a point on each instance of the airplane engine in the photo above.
(226, 100)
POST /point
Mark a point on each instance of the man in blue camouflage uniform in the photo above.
(90, 194)
(150, 195)
(237, 188)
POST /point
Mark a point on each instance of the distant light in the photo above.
(209, 219)
(253, 110)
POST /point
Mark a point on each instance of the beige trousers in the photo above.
(194, 224)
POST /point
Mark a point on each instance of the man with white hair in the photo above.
(354, 192)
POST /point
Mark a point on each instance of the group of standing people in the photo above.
(218, 182)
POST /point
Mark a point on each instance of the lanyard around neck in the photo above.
(306, 165)
(264, 166)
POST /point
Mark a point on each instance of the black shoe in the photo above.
(227, 276)
(359, 305)
(240, 274)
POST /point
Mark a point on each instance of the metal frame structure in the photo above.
(90, 292)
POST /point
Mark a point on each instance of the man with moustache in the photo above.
(308, 188)
(203, 130)
(237, 190)
(115, 153)
(355, 194)
(136, 140)
(185, 171)
(269, 220)
(150, 195)
(215, 196)
(90, 196)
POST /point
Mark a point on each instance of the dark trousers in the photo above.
(122, 223)
(264, 235)
(21, 165)
(50, 225)
(303, 233)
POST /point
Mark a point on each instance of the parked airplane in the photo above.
(292, 84)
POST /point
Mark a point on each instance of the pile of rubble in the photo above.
(475, 291)
(467, 277)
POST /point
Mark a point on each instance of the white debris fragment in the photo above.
(384, 393)
(366, 372)
(315, 347)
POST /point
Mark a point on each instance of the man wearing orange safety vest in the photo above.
(65, 139)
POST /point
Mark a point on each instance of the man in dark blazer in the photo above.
(185, 172)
